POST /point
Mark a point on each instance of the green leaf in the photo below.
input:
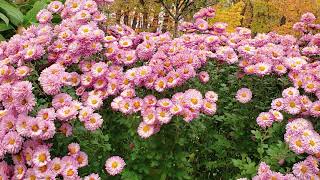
(4, 18)
(13, 13)
(4, 27)
(2, 38)
(32, 13)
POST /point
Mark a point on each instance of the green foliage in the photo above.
(30, 16)
(13, 17)
(13, 13)
(10, 18)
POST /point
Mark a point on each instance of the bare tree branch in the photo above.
(166, 8)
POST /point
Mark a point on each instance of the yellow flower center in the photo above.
(299, 143)
(146, 128)
(114, 165)
(70, 172)
(262, 68)
(194, 101)
(42, 157)
(35, 128)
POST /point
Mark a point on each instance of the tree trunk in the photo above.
(118, 16)
(175, 30)
(165, 22)
(155, 21)
(135, 20)
(145, 19)
(126, 18)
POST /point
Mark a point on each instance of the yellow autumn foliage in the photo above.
(231, 15)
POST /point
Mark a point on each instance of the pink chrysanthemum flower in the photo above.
(209, 108)
(61, 100)
(66, 113)
(56, 166)
(115, 104)
(290, 92)
(297, 145)
(85, 113)
(8, 123)
(277, 115)
(125, 42)
(99, 69)
(150, 100)
(302, 170)
(128, 93)
(277, 104)
(86, 79)
(193, 99)
(263, 168)
(280, 69)
(137, 104)
(263, 68)
(18, 158)
(30, 174)
(48, 130)
(66, 129)
(204, 77)
(315, 109)
(244, 95)
(47, 114)
(55, 6)
(114, 165)
(70, 172)
(145, 130)
(292, 105)
(163, 115)
(125, 106)
(81, 159)
(149, 116)
(12, 142)
(92, 176)
(176, 109)
(93, 101)
(19, 171)
(308, 18)
(73, 148)
(160, 84)
(25, 103)
(265, 119)
(164, 103)
(41, 156)
(312, 144)
(211, 96)
(311, 86)
(94, 122)
(22, 71)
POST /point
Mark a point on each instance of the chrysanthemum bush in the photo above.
(80, 99)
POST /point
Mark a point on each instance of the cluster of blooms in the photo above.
(22, 136)
(301, 137)
(201, 25)
(167, 63)
(307, 169)
(306, 24)
(268, 53)
(34, 161)
(291, 102)
(158, 112)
